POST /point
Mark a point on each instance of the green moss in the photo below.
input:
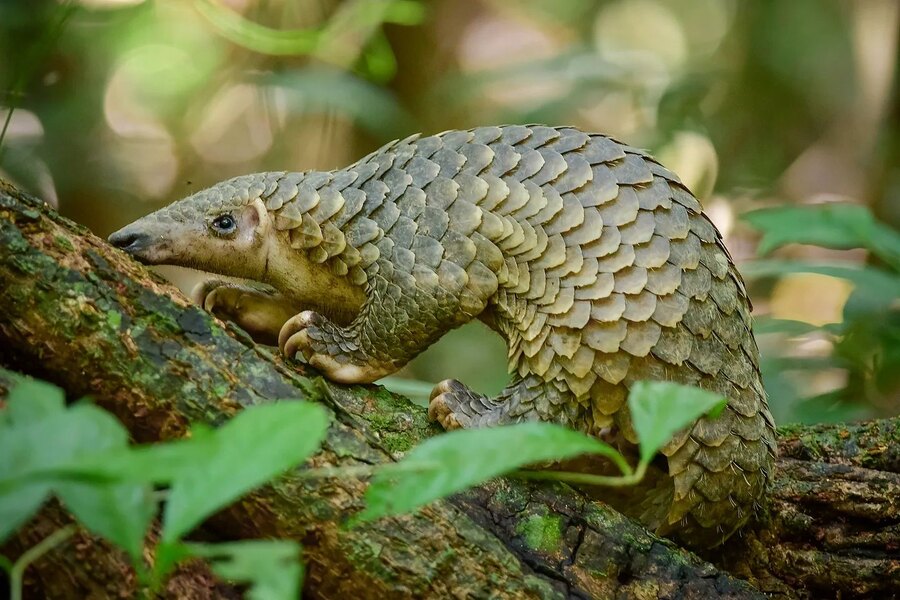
(541, 587)
(345, 443)
(64, 243)
(541, 532)
(398, 427)
(380, 422)
(365, 554)
(23, 265)
(396, 442)
(114, 319)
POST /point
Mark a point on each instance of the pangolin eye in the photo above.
(224, 224)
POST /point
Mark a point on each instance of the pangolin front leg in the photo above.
(257, 309)
(402, 316)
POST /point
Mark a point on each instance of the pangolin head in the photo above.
(222, 229)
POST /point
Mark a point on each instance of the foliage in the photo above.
(660, 409)
(106, 484)
(866, 343)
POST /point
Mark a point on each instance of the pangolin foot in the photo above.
(325, 346)
(295, 335)
(455, 406)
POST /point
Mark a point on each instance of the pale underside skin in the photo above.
(593, 261)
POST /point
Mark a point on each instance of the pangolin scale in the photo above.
(594, 262)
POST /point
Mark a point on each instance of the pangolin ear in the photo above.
(258, 216)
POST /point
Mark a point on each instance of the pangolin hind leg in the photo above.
(528, 398)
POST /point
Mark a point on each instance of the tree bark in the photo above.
(84, 316)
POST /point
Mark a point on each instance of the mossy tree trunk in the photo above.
(84, 316)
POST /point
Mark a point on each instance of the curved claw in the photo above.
(293, 336)
(203, 290)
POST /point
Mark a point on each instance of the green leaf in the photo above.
(255, 446)
(830, 407)
(454, 461)
(43, 437)
(378, 61)
(39, 435)
(121, 513)
(28, 402)
(18, 506)
(321, 90)
(272, 568)
(31, 400)
(790, 327)
(879, 287)
(158, 463)
(659, 409)
(840, 226)
(404, 12)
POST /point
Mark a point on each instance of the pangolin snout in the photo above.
(129, 240)
(139, 243)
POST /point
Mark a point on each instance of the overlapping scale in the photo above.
(596, 262)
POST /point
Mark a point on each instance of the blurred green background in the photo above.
(121, 106)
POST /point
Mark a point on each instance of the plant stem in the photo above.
(629, 478)
(585, 478)
(34, 553)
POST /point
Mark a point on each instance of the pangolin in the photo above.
(593, 261)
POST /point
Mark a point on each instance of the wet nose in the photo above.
(129, 241)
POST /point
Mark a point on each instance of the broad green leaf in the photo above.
(54, 438)
(18, 506)
(255, 446)
(830, 407)
(454, 461)
(121, 513)
(839, 226)
(32, 400)
(158, 463)
(28, 402)
(764, 325)
(271, 568)
(865, 304)
(881, 288)
(317, 90)
(378, 61)
(659, 409)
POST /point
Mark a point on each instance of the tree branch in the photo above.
(80, 314)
